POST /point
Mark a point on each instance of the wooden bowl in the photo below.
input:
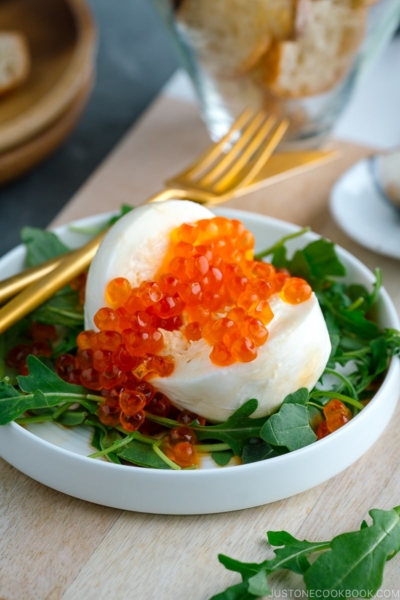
(20, 159)
(62, 40)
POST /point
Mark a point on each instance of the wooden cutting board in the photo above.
(53, 546)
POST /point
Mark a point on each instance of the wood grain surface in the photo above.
(61, 39)
(56, 547)
(21, 159)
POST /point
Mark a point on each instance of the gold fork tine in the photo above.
(230, 172)
(262, 141)
(266, 152)
(211, 154)
(209, 178)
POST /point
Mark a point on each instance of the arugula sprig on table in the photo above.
(351, 562)
(355, 339)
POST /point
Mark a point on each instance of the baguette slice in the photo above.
(321, 57)
(14, 60)
(230, 36)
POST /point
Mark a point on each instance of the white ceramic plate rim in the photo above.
(223, 472)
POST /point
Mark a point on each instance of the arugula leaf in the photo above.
(301, 396)
(257, 450)
(350, 562)
(236, 430)
(235, 592)
(7, 391)
(356, 560)
(72, 418)
(334, 335)
(142, 455)
(379, 358)
(63, 308)
(94, 421)
(12, 405)
(247, 570)
(17, 334)
(371, 298)
(67, 344)
(356, 291)
(108, 439)
(355, 322)
(222, 458)
(258, 584)
(293, 555)
(41, 245)
(322, 259)
(96, 438)
(316, 262)
(91, 407)
(290, 426)
(124, 210)
(42, 378)
(42, 388)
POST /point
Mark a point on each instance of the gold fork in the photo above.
(229, 164)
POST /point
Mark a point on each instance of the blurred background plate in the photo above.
(20, 159)
(62, 42)
(361, 210)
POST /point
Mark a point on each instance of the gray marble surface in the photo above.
(135, 58)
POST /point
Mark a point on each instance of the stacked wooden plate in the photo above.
(37, 117)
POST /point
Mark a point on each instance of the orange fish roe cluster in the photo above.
(179, 446)
(41, 336)
(125, 396)
(336, 415)
(210, 266)
(209, 287)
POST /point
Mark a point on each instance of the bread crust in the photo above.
(228, 37)
(320, 58)
(14, 60)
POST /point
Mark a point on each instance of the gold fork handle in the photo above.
(37, 293)
(12, 286)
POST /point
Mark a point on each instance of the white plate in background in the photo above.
(363, 212)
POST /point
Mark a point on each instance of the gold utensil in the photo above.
(211, 179)
(280, 166)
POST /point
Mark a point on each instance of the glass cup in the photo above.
(294, 58)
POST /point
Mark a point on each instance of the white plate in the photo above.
(56, 456)
(361, 209)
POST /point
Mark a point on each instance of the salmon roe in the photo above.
(42, 337)
(210, 288)
(336, 415)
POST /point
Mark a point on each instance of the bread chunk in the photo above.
(230, 36)
(14, 60)
(320, 58)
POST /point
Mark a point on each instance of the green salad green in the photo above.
(349, 566)
(41, 395)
